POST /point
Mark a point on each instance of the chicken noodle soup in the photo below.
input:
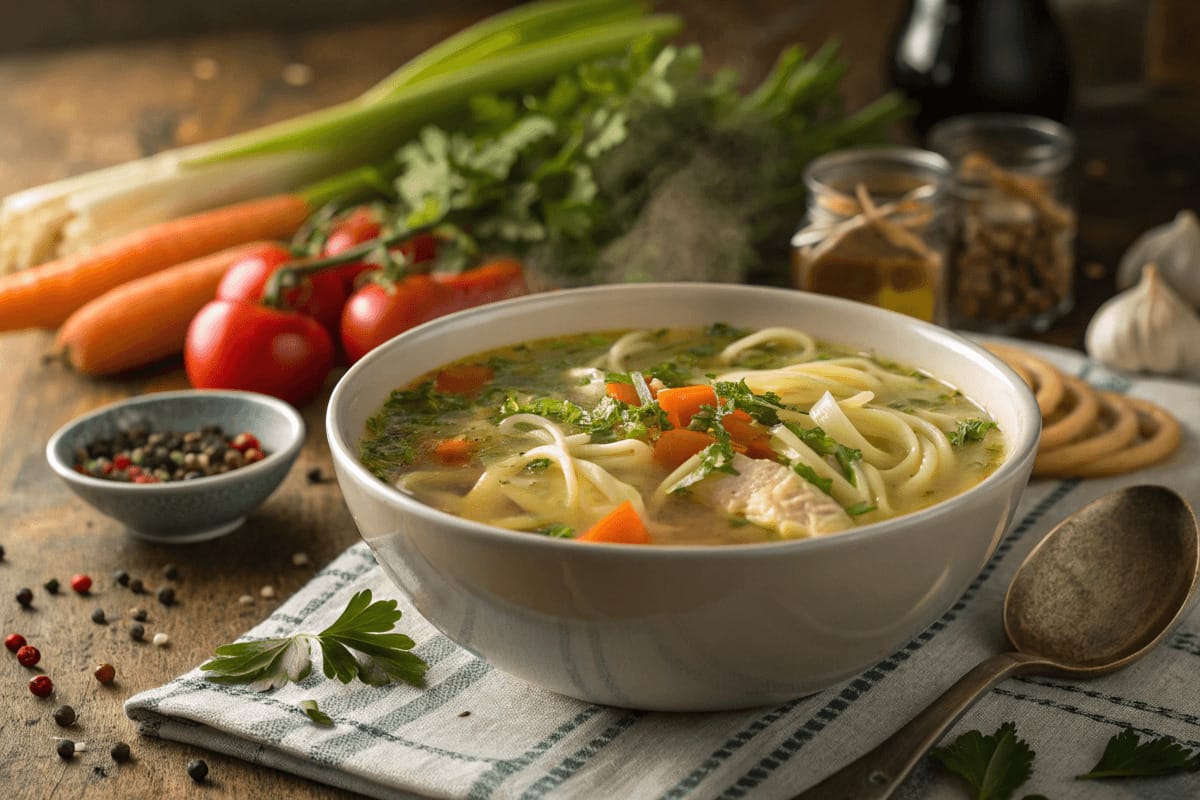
(680, 436)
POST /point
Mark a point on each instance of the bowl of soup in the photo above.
(681, 497)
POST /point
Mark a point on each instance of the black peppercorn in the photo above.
(66, 749)
(51, 586)
(25, 597)
(166, 595)
(64, 716)
(98, 616)
(140, 614)
(137, 631)
(171, 572)
(121, 577)
(119, 752)
(136, 586)
(1, 552)
(197, 770)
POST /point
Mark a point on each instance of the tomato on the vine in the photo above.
(362, 226)
(320, 295)
(232, 345)
(375, 313)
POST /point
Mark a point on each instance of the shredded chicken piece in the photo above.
(772, 496)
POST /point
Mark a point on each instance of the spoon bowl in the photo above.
(1098, 592)
(1107, 584)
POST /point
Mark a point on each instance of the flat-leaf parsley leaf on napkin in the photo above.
(995, 765)
(1126, 757)
(379, 657)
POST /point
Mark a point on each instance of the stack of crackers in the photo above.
(1086, 432)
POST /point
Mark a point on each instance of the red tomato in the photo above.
(320, 296)
(374, 314)
(246, 346)
(362, 226)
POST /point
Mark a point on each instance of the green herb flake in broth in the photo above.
(858, 509)
(388, 445)
(557, 531)
(809, 474)
(537, 465)
(764, 408)
(970, 430)
(823, 444)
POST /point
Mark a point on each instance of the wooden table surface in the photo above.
(74, 110)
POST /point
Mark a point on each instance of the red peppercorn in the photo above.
(134, 471)
(28, 655)
(81, 583)
(245, 441)
(41, 686)
(105, 673)
(253, 454)
(122, 461)
(145, 479)
(14, 642)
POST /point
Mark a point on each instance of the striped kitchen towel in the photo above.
(474, 732)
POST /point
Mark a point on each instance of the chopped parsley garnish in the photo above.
(557, 531)
(391, 433)
(537, 465)
(858, 509)
(810, 475)
(823, 444)
(549, 407)
(970, 430)
(718, 456)
(764, 408)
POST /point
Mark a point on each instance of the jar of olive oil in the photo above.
(875, 230)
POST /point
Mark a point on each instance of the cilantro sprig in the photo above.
(994, 765)
(823, 444)
(1126, 756)
(970, 430)
(359, 644)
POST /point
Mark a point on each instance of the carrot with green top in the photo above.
(622, 525)
(46, 295)
(146, 319)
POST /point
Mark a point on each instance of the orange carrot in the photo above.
(145, 319)
(463, 378)
(622, 525)
(745, 432)
(44, 296)
(623, 392)
(681, 403)
(676, 446)
(454, 452)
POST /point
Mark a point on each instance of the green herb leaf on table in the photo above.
(358, 644)
(1126, 756)
(309, 707)
(994, 765)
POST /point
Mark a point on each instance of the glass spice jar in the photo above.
(1013, 229)
(875, 229)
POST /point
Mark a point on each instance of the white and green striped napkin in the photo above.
(474, 732)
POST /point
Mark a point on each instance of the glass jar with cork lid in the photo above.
(1012, 253)
(875, 230)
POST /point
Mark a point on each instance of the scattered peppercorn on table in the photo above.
(106, 615)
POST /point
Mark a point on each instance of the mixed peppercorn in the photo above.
(137, 455)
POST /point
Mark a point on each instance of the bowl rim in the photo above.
(296, 435)
(1018, 460)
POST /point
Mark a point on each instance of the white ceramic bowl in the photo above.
(683, 628)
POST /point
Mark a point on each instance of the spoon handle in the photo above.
(877, 774)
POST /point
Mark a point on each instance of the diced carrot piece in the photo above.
(744, 431)
(623, 392)
(622, 525)
(678, 445)
(454, 452)
(681, 403)
(463, 378)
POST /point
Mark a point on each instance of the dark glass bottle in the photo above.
(961, 56)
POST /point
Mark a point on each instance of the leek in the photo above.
(525, 47)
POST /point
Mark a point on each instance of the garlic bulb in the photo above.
(1147, 328)
(1175, 249)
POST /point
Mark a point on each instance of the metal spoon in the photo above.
(1102, 589)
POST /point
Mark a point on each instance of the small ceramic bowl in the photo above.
(193, 510)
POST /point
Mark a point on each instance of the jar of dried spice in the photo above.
(1012, 254)
(875, 230)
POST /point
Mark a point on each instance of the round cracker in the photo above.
(1113, 429)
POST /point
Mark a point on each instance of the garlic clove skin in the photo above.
(1148, 328)
(1175, 249)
